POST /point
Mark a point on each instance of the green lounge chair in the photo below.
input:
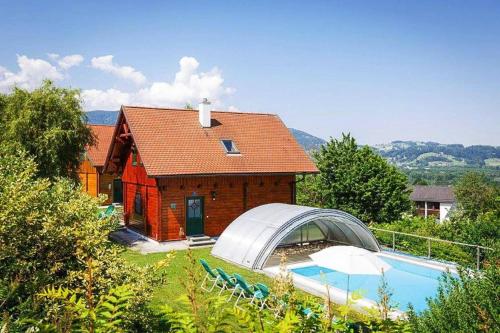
(228, 282)
(247, 291)
(307, 312)
(260, 295)
(107, 213)
(211, 276)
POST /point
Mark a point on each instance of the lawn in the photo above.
(172, 288)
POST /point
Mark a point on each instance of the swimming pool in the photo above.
(410, 282)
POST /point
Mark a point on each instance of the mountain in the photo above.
(414, 154)
(307, 141)
(102, 117)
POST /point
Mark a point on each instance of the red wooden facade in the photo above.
(93, 179)
(156, 204)
(163, 216)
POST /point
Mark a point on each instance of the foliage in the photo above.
(467, 304)
(385, 303)
(48, 123)
(73, 312)
(49, 234)
(476, 220)
(417, 246)
(356, 180)
(476, 196)
(448, 175)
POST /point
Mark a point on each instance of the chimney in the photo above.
(205, 113)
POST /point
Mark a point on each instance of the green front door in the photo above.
(194, 216)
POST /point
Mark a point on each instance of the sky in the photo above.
(381, 70)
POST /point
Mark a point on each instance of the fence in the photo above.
(429, 241)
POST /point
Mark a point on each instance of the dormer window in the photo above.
(229, 146)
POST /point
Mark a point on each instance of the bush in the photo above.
(50, 234)
(467, 304)
(417, 246)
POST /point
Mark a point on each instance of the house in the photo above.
(91, 170)
(433, 200)
(192, 172)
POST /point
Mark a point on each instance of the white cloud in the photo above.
(189, 86)
(66, 62)
(110, 99)
(105, 63)
(31, 73)
(69, 61)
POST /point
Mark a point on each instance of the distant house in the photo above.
(91, 171)
(433, 200)
(192, 172)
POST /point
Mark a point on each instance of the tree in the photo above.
(48, 123)
(356, 180)
(420, 181)
(476, 196)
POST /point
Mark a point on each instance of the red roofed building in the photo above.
(192, 172)
(94, 181)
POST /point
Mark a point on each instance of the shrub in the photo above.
(49, 235)
(467, 304)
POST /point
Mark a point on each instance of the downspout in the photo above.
(294, 188)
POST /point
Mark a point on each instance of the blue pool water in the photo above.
(410, 283)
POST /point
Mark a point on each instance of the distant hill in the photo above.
(101, 117)
(432, 154)
(306, 140)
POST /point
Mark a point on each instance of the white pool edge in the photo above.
(429, 263)
(339, 295)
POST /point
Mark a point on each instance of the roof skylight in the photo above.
(229, 146)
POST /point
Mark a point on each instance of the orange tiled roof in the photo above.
(98, 152)
(172, 142)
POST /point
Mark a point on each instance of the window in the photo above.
(229, 146)
(194, 207)
(134, 156)
(138, 203)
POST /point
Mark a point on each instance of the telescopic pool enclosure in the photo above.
(251, 239)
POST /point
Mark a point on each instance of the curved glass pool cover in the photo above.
(250, 239)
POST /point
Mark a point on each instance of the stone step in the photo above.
(196, 239)
(201, 243)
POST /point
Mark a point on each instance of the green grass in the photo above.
(172, 288)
